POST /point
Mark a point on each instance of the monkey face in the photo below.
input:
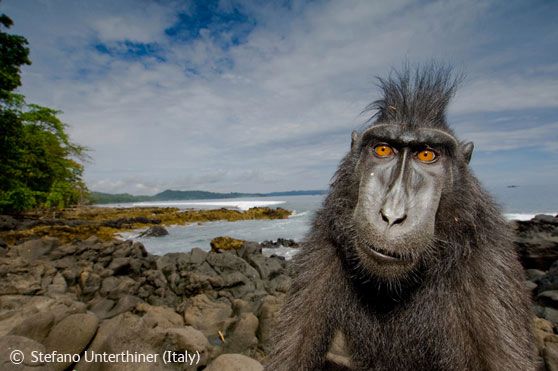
(403, 173)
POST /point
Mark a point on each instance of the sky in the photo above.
(261, 96)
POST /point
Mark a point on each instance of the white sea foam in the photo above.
(296, 214)
(286, 252)
(240, 205)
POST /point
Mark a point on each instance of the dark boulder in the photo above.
(71, 335)
(233, 362)
(26, 346)
(536, 241)
(548, 298)
(155, 231)
(7, 223)
(128, 222)
(279, 243)
(34, 249)
(35, 327)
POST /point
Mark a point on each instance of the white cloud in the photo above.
(510, 93)
(272, 113)
(542, 137)
(147, 26)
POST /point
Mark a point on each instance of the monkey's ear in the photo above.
(354, 139)
(467, 150)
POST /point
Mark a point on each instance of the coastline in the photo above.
(106, 222)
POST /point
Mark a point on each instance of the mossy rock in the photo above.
(226, 243)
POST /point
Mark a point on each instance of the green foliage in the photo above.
(39, 164)
(61, 194)
(13, 54)
(18, 199)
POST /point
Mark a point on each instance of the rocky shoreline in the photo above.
(106, 222)
(94, 296)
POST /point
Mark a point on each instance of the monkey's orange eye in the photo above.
(426, 155)
(383, 150)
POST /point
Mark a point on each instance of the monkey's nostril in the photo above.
(400, 220)
(384, 217)
(392, 220)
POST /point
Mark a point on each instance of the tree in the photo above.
(13, 53)
(40, 166)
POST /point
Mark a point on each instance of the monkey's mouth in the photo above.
(387, 256)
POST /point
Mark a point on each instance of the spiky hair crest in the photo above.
(416, 96)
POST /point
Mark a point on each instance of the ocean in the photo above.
(520, 203)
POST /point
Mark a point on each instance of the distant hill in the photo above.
(193, 195)
(109, 198)
(171, 195)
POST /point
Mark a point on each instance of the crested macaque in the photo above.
(408, 257)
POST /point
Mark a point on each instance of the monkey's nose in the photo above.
(392, 218)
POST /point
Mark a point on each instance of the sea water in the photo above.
(517, 203)
(183, 238)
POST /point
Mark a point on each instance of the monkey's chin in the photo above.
(386, 264)
(385, 257)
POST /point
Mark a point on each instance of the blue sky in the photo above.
(260, 96)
